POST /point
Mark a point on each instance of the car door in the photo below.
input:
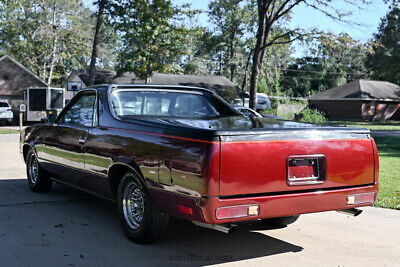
(63, 145)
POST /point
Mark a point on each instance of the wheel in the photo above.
(141, 220)
(281, 221)
(38, 179)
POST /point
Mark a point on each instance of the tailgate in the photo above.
(262, 164)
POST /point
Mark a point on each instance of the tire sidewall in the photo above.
(140, 234)
(28, 160)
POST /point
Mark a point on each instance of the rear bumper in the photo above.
(286, 204)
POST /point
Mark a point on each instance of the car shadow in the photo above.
(75, 223)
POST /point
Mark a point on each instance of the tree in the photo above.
(50, 36)
(99, 22)
(270, 13)
(332, 60)
(151, 36)
(384, 60)
(230, 19)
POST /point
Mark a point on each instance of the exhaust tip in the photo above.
(353, 212)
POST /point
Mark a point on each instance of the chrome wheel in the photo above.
(33, 169)
(133, 205)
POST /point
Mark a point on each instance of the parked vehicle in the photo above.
(248, 112)
(40, 101)
(161, 151)
(6, 114)
(262, 101)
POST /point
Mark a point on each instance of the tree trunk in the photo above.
(96, 40)
(255, 69)
(55, 40)
(232, 55)
(263, 34)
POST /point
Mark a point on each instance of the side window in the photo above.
(81, 112)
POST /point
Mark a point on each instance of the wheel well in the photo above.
(115, 174)
(25, 150)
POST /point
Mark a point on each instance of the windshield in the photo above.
(162, 103)
(4, 105)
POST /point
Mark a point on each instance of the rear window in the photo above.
(4, 105)
(162, 103)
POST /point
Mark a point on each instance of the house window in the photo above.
(372, 109)
(74, 86)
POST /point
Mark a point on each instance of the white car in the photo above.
(262, 101)
(6, 114)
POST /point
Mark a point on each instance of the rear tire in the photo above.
(38, 179)
(281, 221)
(141, 220)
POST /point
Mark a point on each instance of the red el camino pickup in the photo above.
(161, 151)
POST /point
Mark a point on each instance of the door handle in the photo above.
(82, 141)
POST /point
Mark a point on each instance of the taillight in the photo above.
(361, 198)
(233, 212)
(9, 109)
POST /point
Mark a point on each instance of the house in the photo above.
(221, 85)
(359, 100)
(79, 79)
(14, 80)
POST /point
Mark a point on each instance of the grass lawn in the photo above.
(389, 173)
(8, 131)
(376, 125)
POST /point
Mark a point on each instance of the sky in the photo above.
(308, 18)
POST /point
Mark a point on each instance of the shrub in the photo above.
(311, 115)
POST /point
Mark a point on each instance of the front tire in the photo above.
(281, 221)
(141, 220)
(38, 179)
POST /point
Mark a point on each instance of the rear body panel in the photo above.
(254, 167)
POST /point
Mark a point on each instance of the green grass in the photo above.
(8, 131)
(376, 125)
(389, 173)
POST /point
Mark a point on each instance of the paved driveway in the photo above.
(69, 228)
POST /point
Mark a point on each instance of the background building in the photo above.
(14, 80)
(359, 100)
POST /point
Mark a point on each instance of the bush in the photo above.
(311, 115)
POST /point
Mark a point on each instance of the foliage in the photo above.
(151, 36)
(384, 60)
(312, 115)
(50, 37)
(230, 20)
(271, 13)
(332, 60)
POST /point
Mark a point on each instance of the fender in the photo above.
(127, 162)
(33, 147)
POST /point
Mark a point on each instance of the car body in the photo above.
(248, 112)
(193, 156)
(6, 114)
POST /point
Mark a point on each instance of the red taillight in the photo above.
(185, 210)
(234, 212)
(9, 109)
(361, 198)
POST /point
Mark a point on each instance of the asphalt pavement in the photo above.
(70, 228)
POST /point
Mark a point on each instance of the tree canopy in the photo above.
(248, 41)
